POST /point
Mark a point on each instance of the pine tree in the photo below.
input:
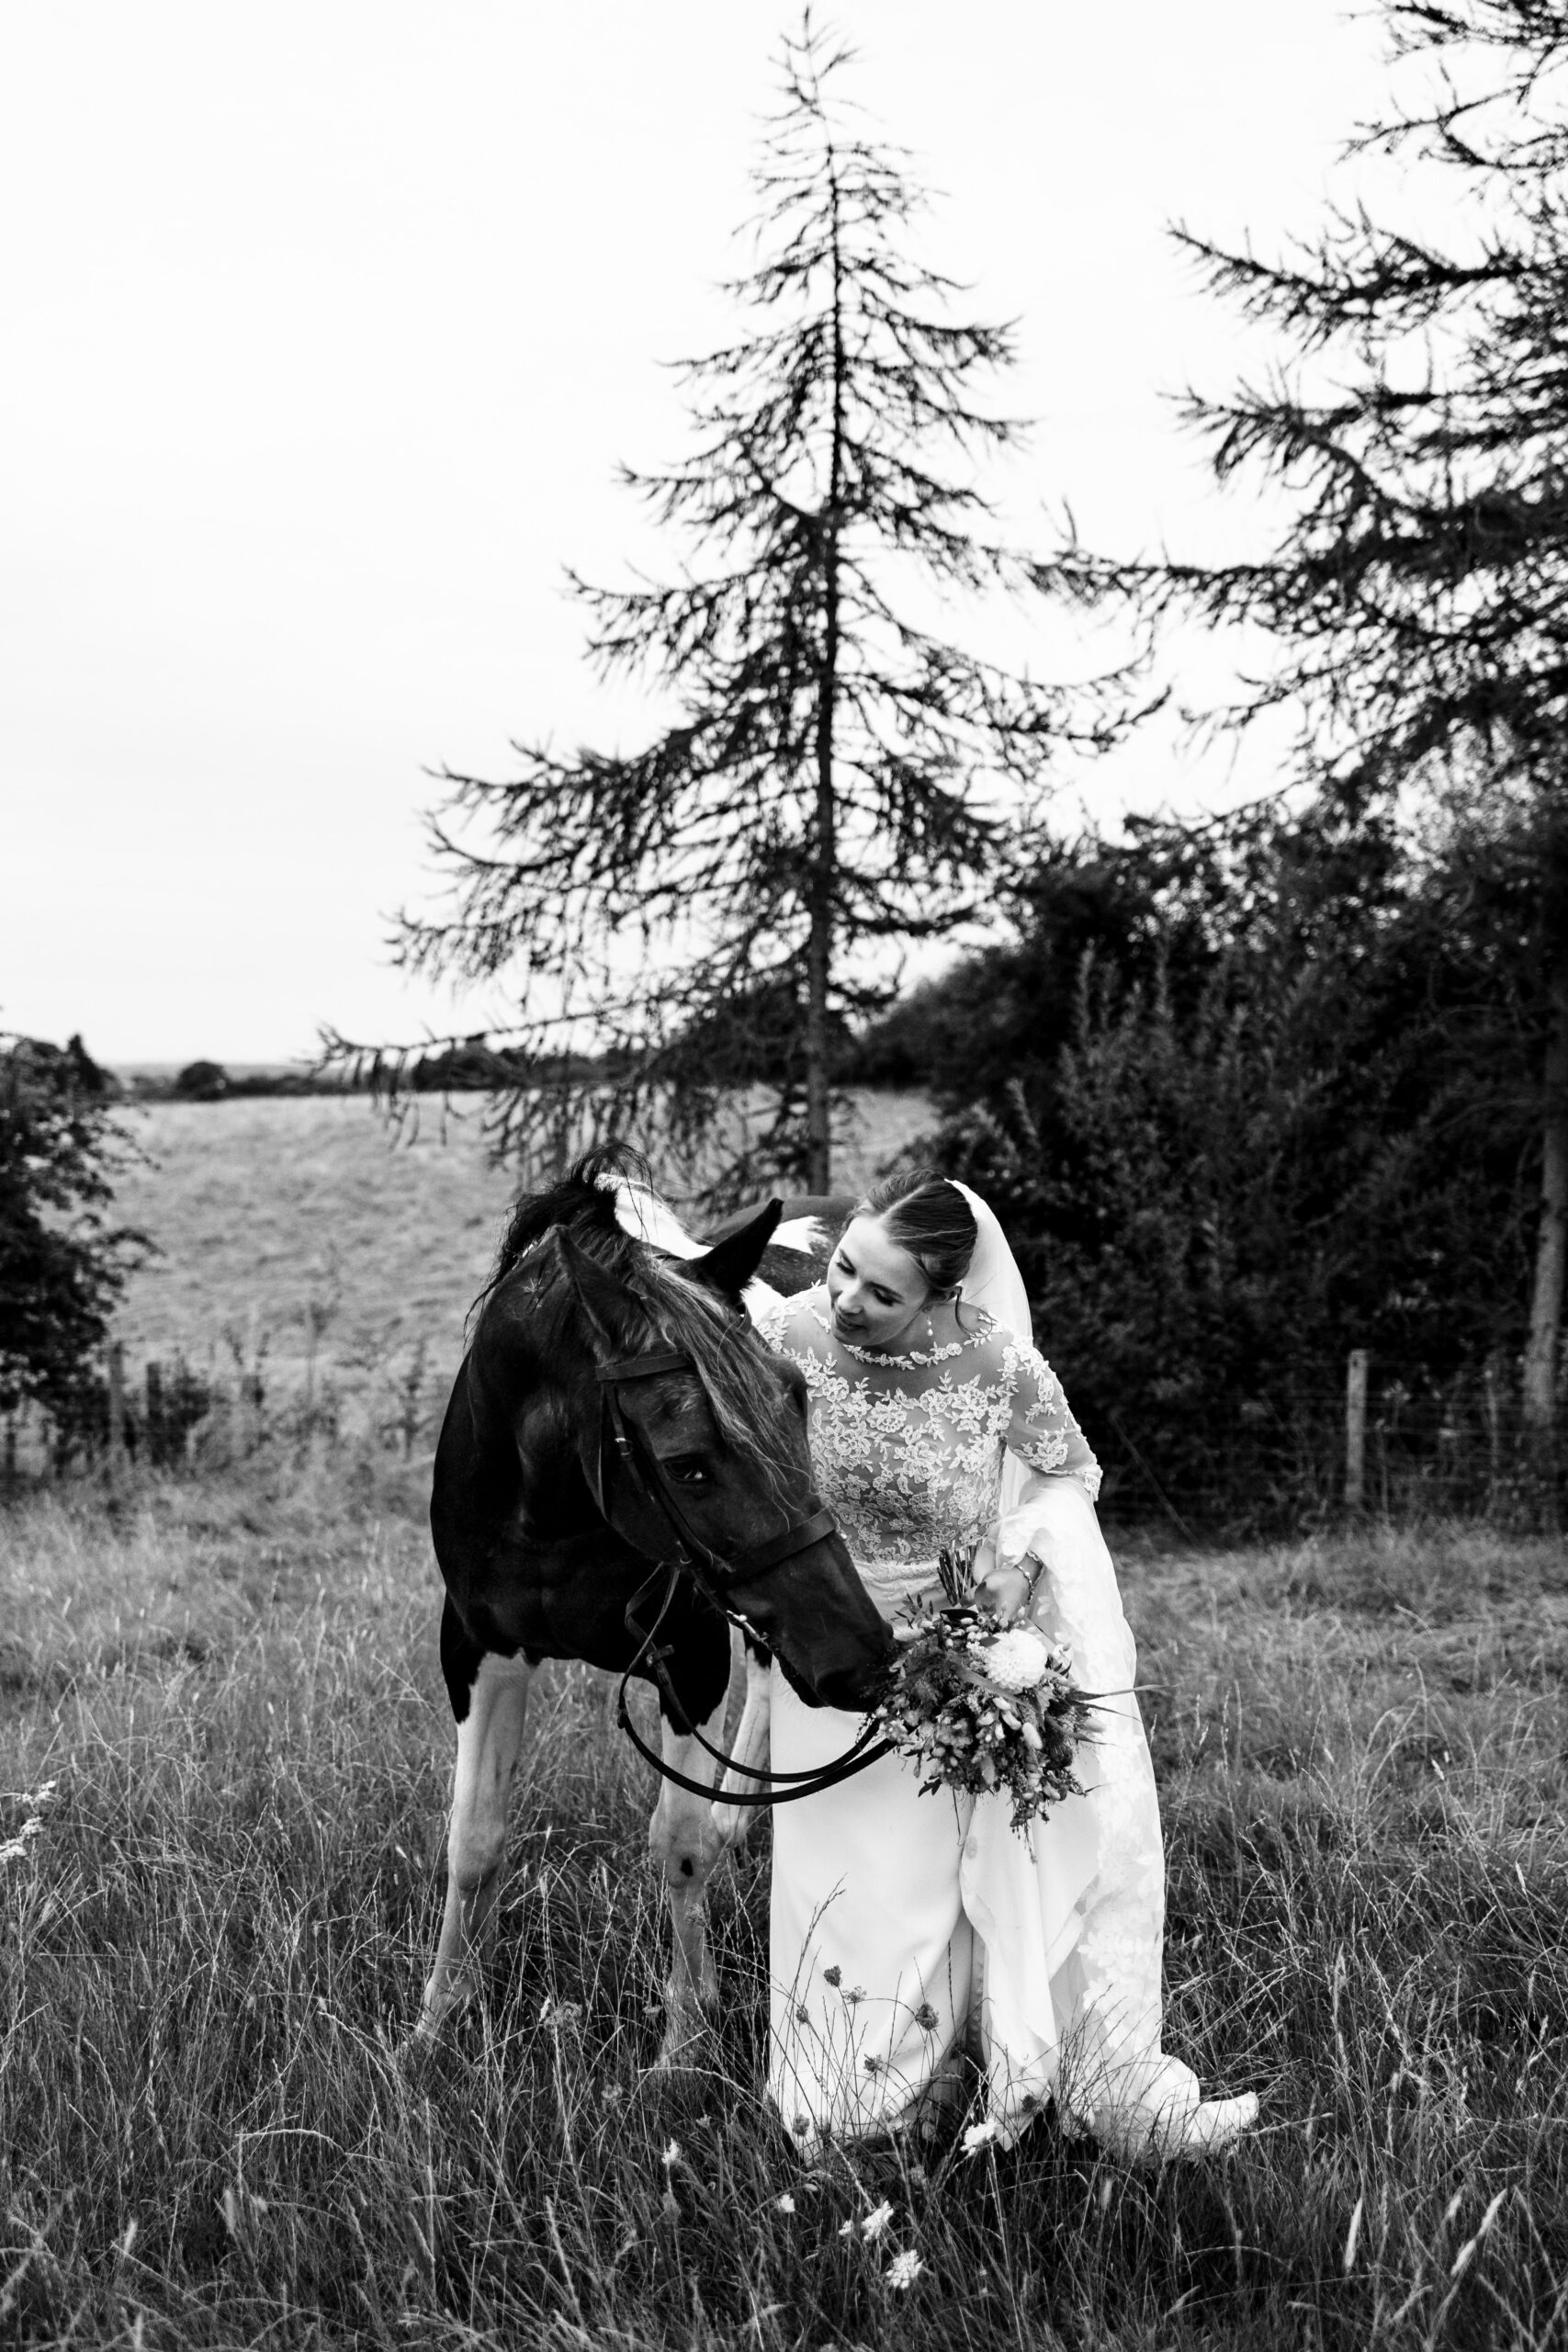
(1417, 597)
(839, 782)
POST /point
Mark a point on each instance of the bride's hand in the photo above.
(1009, 1589)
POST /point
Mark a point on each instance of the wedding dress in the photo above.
(908, 1927)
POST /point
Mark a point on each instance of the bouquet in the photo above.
(980, 1705)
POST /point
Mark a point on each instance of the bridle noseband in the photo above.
(713, 1576)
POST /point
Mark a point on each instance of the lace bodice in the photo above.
(910, 1457)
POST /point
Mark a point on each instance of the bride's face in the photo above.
(875, 1288)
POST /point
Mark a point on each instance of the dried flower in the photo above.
(981, 2135)
(904, 2269)
(834, 1975)
(671, 2155)
(784, 2204)
(876, 2220)
(927, 2018)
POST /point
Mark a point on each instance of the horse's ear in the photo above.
(731, 1263)
(609, 1307)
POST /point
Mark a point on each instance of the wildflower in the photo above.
(856, 1993)
(904, 2269)
(15, 1848)
(834, 1975)
(846, 2229)
(981, 2135)
(926, 2018)
(784, 2204)
(876, 2220)
(802, 2014)
(873, 2066)
(671, 2155)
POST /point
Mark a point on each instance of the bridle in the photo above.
(713, 1577)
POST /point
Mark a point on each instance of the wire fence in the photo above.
(165, 1414)
(1386, 1439)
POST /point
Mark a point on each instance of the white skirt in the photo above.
(907, 1929)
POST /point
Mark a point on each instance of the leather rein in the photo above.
(714, 1578)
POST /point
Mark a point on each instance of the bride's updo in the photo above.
(929, 1217)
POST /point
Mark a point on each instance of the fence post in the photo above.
(1356, 1430)
(155, 1444)
(116, 1411)
(1491, 1405)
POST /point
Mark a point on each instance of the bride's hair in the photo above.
(929, 1217)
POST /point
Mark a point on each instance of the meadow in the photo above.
(307, 1240)
(224, 1753)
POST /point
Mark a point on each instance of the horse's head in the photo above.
(715, 1460)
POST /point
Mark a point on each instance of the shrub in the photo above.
(61, 1265)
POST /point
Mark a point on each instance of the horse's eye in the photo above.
(686, 1469)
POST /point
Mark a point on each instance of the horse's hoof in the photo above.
(417, 2054)
(432, 2028)
(685, 2044)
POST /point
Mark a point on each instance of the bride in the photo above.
(908, 1930)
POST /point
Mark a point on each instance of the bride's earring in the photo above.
(931, 1330)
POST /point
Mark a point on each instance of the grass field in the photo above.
(222, 1781)
(225, 1755)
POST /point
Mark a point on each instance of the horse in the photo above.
(613, 1394)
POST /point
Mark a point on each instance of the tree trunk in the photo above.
(825, 844)
(1541, 1351)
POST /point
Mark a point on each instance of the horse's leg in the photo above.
(490, 1737)
(684, 1841)
(733, 1815)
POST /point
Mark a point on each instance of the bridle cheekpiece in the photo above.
(714, 1575)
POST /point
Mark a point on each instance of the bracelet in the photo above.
(1034, 1580)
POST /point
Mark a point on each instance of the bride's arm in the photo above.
(1042, 1432)
(1045, 1449)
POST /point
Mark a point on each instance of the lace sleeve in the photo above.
(1042, 1431)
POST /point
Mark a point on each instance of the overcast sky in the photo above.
(326, 323)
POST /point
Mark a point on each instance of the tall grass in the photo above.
(215, 1934)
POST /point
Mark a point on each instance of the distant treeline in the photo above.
(472, 1067)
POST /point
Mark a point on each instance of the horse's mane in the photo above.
(584, 1201)
(680, 1312)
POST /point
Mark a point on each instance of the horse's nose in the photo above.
(853, 1681)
